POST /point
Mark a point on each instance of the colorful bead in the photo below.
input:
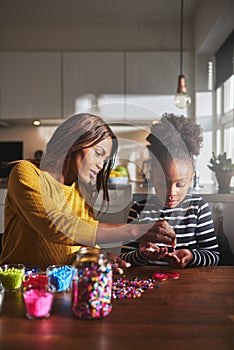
(61, 277)
(12, 276)
(124, 288)
(37, 302)
(92, 291)
(39, 282)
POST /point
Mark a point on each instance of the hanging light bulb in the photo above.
(181, 99)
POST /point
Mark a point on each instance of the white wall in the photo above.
(63, 35)
(213, 24)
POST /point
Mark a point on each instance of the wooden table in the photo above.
(194, 312)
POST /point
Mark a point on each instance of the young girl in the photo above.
(173, 143)
(49, 206)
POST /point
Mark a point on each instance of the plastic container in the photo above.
(37, 296)
(60, 276)
(92, 285)
(118, 180)
(12, 276)
(2, 292)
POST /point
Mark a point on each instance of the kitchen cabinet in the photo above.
(119, 86)
(90, 78)
(120, 202)
(117, 211)
(30, 85)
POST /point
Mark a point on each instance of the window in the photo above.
(223, 125)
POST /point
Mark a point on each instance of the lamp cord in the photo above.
(181, 35)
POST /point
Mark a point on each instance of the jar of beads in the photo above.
(92, 284)
(12, 276)
(60, 276)
(37, 296)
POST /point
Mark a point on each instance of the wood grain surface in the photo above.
(195, 311)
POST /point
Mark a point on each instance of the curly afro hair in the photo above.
(175, 137)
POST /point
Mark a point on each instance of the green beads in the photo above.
(12, 276)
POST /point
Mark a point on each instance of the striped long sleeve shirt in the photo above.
(192, 222)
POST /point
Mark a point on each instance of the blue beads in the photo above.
(61, 276)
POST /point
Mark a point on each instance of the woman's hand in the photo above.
(160, 232)
(180, 258)
(118, 264)
(151, 251)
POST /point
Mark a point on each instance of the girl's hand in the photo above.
(118, 264)
(180, 258)
(151, 251)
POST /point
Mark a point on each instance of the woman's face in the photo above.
(172, 184)
(91, 160)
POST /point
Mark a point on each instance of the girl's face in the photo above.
(172, 184)
(91, 160)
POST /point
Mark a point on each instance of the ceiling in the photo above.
(208, 22)
(133, 11)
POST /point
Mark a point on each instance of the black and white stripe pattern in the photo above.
(192, 222)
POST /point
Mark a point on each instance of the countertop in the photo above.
(138, 188)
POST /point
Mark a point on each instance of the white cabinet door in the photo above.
(90, 78)
(119, 205)
(30, 85)
(151, 83)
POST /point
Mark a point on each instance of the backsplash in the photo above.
(131, 141)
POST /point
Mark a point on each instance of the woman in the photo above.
(49, 209)
(173, 143)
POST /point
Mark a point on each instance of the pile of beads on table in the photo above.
(124, 288)
(61, 277)
(37, 296)
(92, 291)
(12, 276)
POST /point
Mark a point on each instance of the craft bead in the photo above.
(92, 286)
(61, 277)
(124, 288)
(12, 276)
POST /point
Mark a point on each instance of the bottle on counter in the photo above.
(92, 284)
(196, 180)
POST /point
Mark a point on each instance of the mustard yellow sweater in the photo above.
(45, 221)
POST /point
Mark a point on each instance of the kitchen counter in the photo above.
(142, 188)
(207, 189)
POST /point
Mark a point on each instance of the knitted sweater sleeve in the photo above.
(33, 200)
(131, 252)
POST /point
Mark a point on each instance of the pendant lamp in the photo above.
(181, 99)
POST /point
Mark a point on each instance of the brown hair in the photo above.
(70, 138)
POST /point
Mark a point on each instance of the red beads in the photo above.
(163, 276)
